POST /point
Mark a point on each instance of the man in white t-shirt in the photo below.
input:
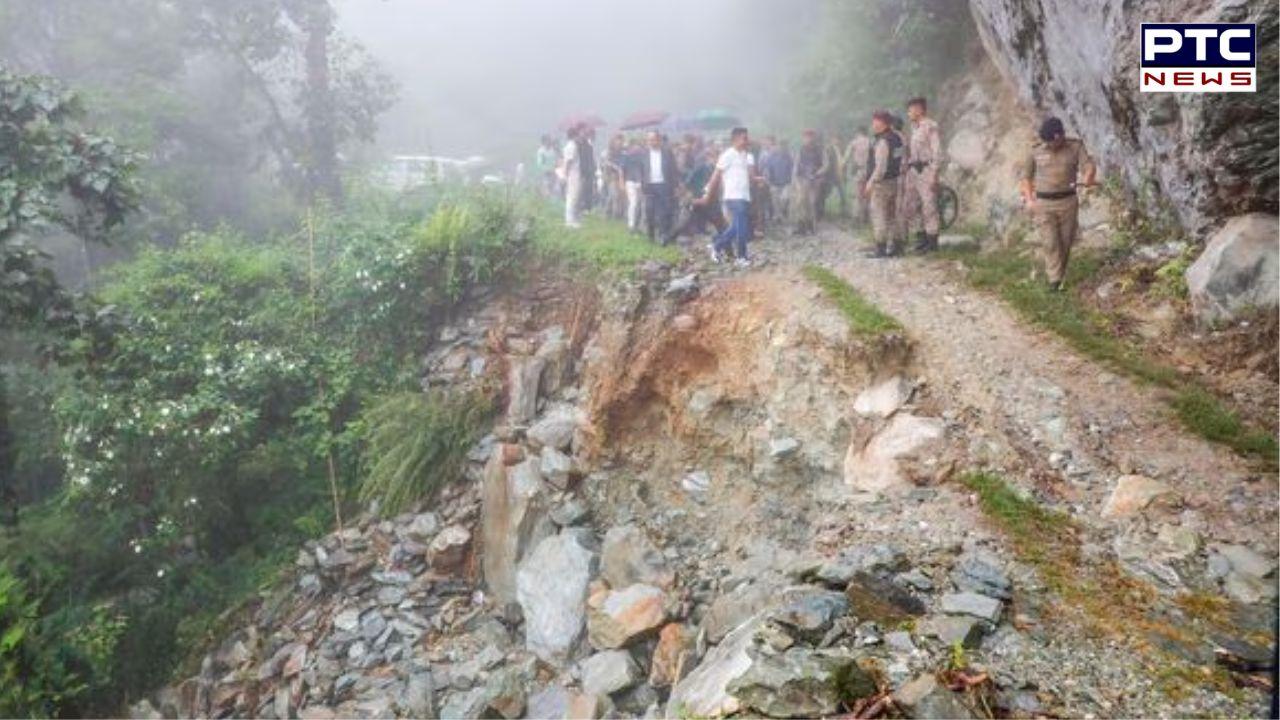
(735, 170)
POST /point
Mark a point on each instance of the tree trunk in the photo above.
(322, 162)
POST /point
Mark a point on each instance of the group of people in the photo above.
(683, 189)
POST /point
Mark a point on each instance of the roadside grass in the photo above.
(600, 245)
(1109, 601)
(1008, 273)
(863, 317)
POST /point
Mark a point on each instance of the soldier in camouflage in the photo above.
(920, 205)
(880, 187)
(1051, 174)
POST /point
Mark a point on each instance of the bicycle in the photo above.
(948, 206)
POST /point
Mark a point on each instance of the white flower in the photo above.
(160, 573)
(164, 411)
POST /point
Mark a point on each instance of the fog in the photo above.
(488, 76)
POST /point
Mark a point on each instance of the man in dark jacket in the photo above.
(659, 178)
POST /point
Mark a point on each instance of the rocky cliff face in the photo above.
(1203, 156)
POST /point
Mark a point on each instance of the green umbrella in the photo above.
(716, 119)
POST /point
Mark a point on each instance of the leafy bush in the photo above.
(417, 442)
(44, 666)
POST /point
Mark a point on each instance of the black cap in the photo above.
(1051, 128)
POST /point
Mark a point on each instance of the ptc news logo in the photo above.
(1199, 57)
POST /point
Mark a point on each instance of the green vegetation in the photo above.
(878, 53)
(416, 442)
(214, 425)
(600, 245)
(863, 317)
(1009, 274)
(39, 672)
(1040, 537)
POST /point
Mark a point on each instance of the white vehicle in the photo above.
(407, 171)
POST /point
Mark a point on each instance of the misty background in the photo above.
(488, 76)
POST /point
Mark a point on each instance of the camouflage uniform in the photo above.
(856, 164)
(883, 177)
(921, 182)
(1053, 176)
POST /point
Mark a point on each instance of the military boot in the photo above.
(931, 243)
(922, 242)
(875, 252)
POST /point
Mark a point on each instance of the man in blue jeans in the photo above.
(734, 171)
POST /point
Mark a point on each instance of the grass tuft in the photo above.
(417, 443)
(863, 317)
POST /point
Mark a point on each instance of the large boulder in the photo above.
(1239, 269)
(875, 466)
(513, 519)
(628, 557)
(551, 587)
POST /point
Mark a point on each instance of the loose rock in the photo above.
(551, 587)
(608, 672)
(616, 617)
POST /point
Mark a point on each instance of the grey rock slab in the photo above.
(808, 613)
(981, 574)
(608, 672)
(734, 608)
(973, 604)
(952, 629)
(347, 620)
(925, 697)
(704, 692)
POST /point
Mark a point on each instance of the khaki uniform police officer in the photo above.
(1052, 171)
